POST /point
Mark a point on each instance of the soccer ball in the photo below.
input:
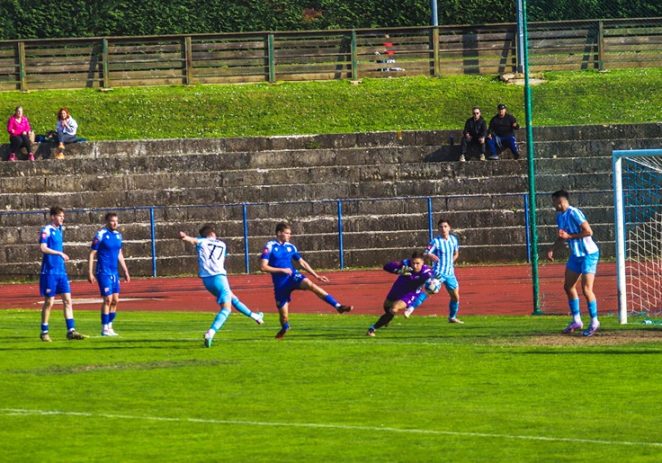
(432, 286)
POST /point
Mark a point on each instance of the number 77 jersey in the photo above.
(211, 257)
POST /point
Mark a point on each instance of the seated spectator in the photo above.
(65, 128)
(501, 133)
(19, 130)
(474, 133)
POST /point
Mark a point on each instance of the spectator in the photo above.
(66, 128)
(474, 133)
(19, 129)
(501, 133)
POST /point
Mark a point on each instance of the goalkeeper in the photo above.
(413, 273)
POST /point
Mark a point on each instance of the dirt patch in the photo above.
(601, 338)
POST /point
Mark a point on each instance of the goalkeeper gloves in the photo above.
(405, 270)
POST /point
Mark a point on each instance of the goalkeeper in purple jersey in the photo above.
(413, 273)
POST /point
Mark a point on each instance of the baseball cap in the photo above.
(501, 106)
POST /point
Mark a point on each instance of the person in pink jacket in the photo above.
(18, 127)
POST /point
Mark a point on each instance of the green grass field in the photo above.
(497, 389)
(407, 103)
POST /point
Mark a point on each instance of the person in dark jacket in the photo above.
(502, 133)
(474, 133)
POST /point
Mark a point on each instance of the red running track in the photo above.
(503, 290)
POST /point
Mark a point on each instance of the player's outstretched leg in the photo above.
(216, 325)
(241, 307)
(326, 297)
(422, 296)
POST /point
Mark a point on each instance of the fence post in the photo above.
(430, 230)
(22, 77)
(271, 59)
(244, 216)
(526, 225)
(152, 230)
(104, 64)
(601, 45)
(355, 61)
(188, 60)
(341, 245)
(436, 69)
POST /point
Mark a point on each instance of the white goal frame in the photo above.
(619, 219)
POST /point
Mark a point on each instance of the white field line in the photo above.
(27, 412)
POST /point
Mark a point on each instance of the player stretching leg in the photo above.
(583, 260)
(211, 269)
(443, 250)
(107, 247)
(276, 259)
(413, 275)
(53, 279)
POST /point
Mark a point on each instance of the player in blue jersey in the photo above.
(413, 273)
(107, 248)
(277, 259)
(53, 279)
(211, 269)
(443, 250)
(574, 229)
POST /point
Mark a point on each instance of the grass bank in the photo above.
(416, 103)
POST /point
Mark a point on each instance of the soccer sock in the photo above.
(241, 307)
(383, 320)
(285, 326)
(70, 324)
(422, 296)
(453, 308)
(220, 318)
(593, 309)
(44, 327)
(574, 310)
(105, 319)
(331, 301)
(111, 316)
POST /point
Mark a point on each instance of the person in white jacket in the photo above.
(66, 128)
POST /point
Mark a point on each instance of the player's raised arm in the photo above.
(306, 266)
(189, 239)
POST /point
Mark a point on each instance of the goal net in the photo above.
(638, 217)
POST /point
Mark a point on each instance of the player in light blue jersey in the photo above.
(277, 259)
(574, 229)
(53, 279)
(443, 250)
(211, 269)
(107, 248)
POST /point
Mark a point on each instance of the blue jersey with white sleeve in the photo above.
(52, 264)
(108, 244)
(571, 222)
(211, 257)
(280, 255)
(445, 250)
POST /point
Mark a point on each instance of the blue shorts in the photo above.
(108, 284)
(449, 281)
(585, 264)
(52, 285)
(219, 286)
(283, 292)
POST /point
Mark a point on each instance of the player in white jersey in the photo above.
(211, 269)
(443, 250)
(574, 229)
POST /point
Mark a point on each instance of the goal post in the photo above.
(637, 178)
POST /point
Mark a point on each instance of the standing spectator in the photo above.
(474, 133)
(502, 133)
(19, 129)
(66, 128)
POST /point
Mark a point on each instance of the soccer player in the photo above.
(444, 250)
(53, 279)
(107, 248)
(276, 259)
(413, 273)
(211, 269)
(574, 229)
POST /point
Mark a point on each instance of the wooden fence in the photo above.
(322, 55)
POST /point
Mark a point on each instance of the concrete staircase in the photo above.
(301, 179)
